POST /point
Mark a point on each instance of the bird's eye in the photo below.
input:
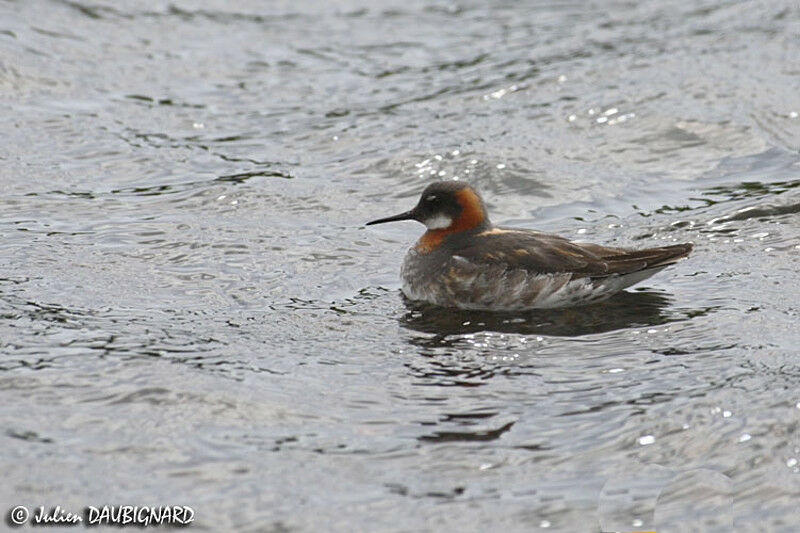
(431, 198)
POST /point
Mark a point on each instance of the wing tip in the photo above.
(673, 254)
(648, 258)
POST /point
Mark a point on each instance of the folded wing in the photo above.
(543, 253)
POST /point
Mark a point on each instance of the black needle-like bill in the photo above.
(408, 215)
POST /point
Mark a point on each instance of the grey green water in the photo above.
(193, 313)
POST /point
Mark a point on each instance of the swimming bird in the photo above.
(465, 261)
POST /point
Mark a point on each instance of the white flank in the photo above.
(469, 285)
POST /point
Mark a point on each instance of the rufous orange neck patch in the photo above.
(430, 240)
(472, 213)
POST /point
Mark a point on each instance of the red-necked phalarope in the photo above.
(464, 261)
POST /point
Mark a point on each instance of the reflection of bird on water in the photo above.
(624, 310)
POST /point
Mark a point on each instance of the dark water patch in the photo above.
(94, 11)
(762, 212)
(468, 436)
(242, 177)
(225, 16)
(56, 34)
(162, 101)
(624, 310)
(29, 436)
(739, 191)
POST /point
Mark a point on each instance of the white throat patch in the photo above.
(438, 222)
